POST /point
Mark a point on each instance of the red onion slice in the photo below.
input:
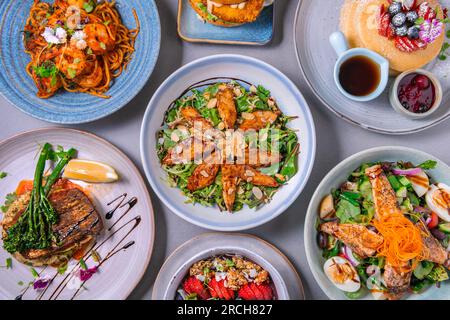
(406, 172)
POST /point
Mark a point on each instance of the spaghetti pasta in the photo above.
(77, 45)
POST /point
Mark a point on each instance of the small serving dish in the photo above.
(286, 281)
(192, 29)
(425, 103)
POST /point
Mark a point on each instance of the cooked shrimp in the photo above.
(227, 107)
(100, 38)
(47, 87)
(93, 79)
(258, 120)
(72, 62)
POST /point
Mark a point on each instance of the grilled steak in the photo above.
(78, 224)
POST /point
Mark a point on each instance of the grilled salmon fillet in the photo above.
(397, 280)
(385, 200)
(361, 240)
(433, 250)
(78, 224)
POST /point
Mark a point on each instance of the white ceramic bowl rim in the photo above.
(309, 159)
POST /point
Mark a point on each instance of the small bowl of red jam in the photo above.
(416, 94)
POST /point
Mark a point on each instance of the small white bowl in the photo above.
(395, 102)
(287, 283)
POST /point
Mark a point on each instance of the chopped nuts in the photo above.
(249, 173)
(204, 173)
(237, 92)
(174, 137)
(253, 89)
(258, 193)
(221, 126)
(279, 177)
(248, 116)
(230, 191)
(212, 103)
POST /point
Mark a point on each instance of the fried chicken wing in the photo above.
(227, 107)
(194, 118)
(229, 185)
(258, 120)
(203, 176)
(255, 177)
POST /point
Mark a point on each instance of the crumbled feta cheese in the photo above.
(81, 44)
(61, 34)
(78, 35)
(49, 35)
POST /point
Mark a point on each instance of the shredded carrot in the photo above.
(402, 241)
(24, 187)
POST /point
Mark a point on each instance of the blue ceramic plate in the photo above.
(65, 107)
(192, 29)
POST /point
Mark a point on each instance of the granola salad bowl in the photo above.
(216, 266)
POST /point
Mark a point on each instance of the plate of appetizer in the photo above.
(76, 218)
(216, 266)
(224, 149)
(379, 64)
(76, 61)
(247, 22)
(377, 227)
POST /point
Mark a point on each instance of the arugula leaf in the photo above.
(34, 273)
(428, 165)
(72, 73)
(8, 263)
(89, 6)
(62, 269)
(83, 264)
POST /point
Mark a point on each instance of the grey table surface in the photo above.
(336, 140)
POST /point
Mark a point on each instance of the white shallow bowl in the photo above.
(333, 180)
(290, 101)
(285, 278)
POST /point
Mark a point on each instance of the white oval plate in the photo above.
(334, 179)
(314, 22)
(283, 274)
(289, 100)
(119, 275)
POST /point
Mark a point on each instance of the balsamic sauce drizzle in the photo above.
(134, 222)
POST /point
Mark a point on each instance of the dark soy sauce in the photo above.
(359, 76)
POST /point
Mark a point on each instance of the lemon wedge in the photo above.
(90, 171)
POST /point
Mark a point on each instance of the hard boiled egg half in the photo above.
(438, 200)
(342, 274)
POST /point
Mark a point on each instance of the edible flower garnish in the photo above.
(41, 283)
(55, 36)
(430, 30)
(88, 273)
